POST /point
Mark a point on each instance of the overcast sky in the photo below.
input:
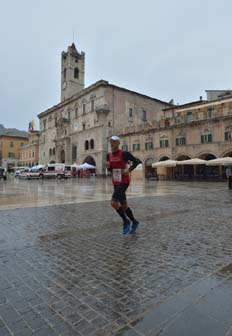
(168, 49)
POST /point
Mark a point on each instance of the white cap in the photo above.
(115, 138)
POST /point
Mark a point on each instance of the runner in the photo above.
(117, 163)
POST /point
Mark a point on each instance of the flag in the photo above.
(31, 126)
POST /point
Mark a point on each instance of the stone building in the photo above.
(77, 129)
(29, 153)
(201, 129)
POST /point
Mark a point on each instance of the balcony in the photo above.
(104, 108)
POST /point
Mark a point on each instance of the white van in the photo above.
(53, 170)
(68, 171)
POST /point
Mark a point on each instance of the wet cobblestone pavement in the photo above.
(66, 269)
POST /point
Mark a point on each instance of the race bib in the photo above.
(117, 175)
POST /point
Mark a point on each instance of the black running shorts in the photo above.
(119, 193)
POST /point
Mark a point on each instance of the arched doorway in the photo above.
(208, 172)
(89, 172)
(90, 160)
(62, 156)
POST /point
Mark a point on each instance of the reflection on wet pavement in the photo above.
(19, 193)
(65, 269)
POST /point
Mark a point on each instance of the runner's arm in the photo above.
(129, 157)
(108, 163)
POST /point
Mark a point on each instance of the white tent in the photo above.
(85, 166)
(219, 162)
(195, 161)
(166, 163)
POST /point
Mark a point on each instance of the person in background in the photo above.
(229, 176)
(117, 164)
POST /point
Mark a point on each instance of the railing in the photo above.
(102, 108)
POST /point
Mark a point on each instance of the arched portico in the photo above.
(164, 158)
(227, 153)
(183, 171)
(208, 172)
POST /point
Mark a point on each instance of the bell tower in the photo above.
(72, 72)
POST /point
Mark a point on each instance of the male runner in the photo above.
(117, 161)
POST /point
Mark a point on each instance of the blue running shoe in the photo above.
(134, 226)
(126, 227)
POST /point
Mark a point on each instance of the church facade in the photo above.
(78, 128)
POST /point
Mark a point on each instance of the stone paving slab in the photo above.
(67, 270)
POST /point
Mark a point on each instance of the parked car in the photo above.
(18, 171)
(23, 173)
(53, 170)
(3, 173)
(35, 172)
(68, 171)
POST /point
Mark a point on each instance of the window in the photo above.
(0, 143)
(68, 115)
(144, 115)
(130, 112)
(83, 125)
(11, 155)
(64, 73)
(11, 144)
(211, 112)
(33, 154)
(124, 147)
(76, 73)
(84, 108)
(44, 124)
(163, 143)
(149, 145)
(189, 116)
(86, 145)
(92, 105)
(74, 152)
(109, 124)
(205, 138)
(0, 155)
(228, 135)
(22, 144)
(51, 168)
(54, 151)
(180, 141)
(136, 147)
(50, 151)
(76, 112)
(91, 144)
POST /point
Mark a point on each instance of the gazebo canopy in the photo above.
(166, 163)
(220, 161)
(195, 161)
